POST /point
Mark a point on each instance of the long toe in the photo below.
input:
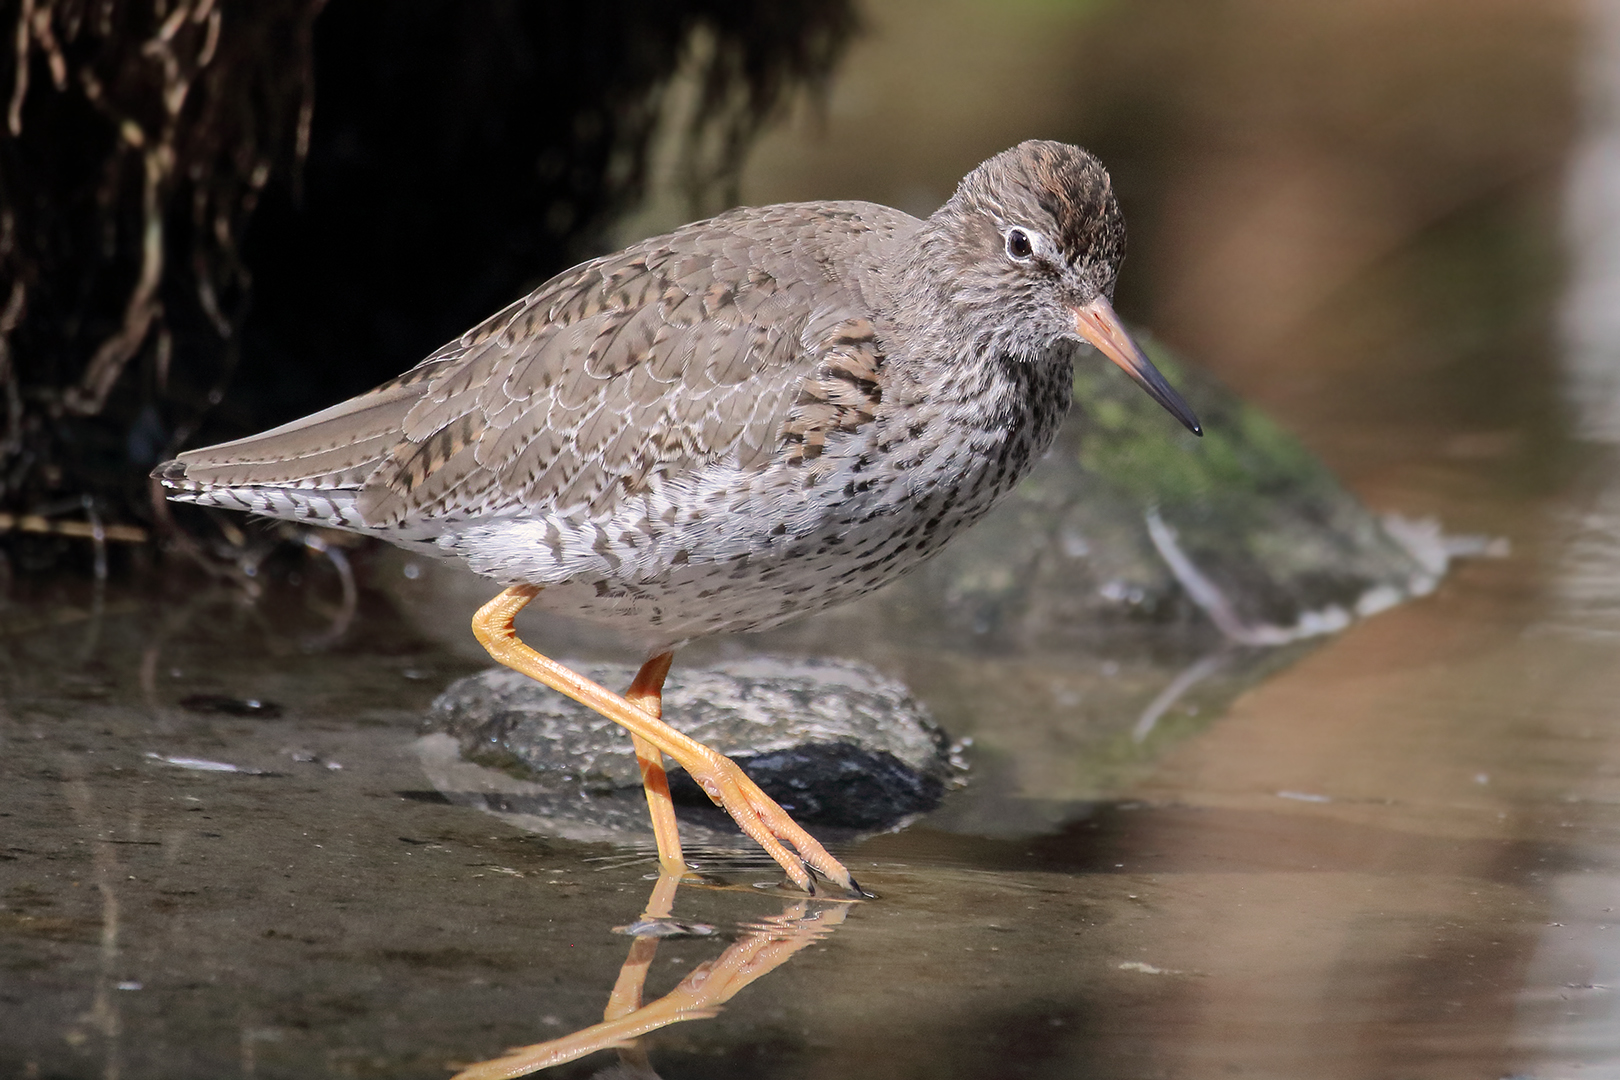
(848, 889)
(837, 882)
(758, 815)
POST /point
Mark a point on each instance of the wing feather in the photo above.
(721, 343)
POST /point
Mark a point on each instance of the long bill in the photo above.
(1097, 323)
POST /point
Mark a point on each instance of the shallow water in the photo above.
(1396, 856)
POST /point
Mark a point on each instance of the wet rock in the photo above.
(1246, 522)
(835, 742)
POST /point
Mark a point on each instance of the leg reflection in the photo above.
(763, 947)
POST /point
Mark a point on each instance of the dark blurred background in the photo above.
(219, 217)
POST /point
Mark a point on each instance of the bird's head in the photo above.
(1033, 240)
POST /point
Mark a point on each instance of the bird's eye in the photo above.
(1019, 247)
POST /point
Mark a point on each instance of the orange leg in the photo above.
(755, 812)
(626, 996)
(647, 694)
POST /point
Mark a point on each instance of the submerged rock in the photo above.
(835, 742)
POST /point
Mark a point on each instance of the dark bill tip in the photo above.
(1097, 323)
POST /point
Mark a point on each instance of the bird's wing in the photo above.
(724, 342)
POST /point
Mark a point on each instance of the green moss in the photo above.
(1139, 449)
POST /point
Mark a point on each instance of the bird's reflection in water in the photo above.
(763, 947)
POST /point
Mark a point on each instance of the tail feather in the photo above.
(309, 470)
(332, 508)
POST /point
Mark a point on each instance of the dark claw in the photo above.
(854, 892)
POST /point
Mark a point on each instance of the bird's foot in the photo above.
(758, 815)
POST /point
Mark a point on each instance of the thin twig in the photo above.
(351, 594)
(19, 89)
(37, 523)
(87, 398)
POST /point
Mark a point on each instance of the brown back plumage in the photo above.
(735, 339)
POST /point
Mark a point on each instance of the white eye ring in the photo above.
(1020, 245)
